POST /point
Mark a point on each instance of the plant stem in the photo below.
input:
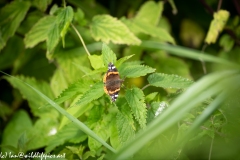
(203, 62)
(210, 152)
(80, 37)
(174, 8)
(64, 3)
(219, 4)
(146, 86)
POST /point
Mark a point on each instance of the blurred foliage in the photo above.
(179, 63)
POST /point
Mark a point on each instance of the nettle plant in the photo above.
(72, 113)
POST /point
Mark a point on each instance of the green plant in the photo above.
(164, 110)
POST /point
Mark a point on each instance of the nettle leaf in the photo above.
(150, 12)
(39, 32)
(107, 28)
(42, 4)
(93, 93)
(135, 99)
(125, 124)
(153, 31)
(114, 137)
(42, 132)
(11, 16)
(75, 112)
(68, 133)
(123, 59)
(133, 71)
(14, 129)
(58, 82)
(95, 115)
(152, 111)
(108, 55)
(168, 81)
(53, 37)
(64, 19)
(226, 42)
(101, 128)
(217, 25)
(74, 89)
(35, 102)
(59, 28)
(151, 96)
(97, 71)
(96, 61)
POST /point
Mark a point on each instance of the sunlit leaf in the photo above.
(11, 16)
(107, 28)
(14, 129)
(150, 12)
(39, 32)
(108, 55)
(68, 133)
(93, 93)
(133, 71)
(217, 25)
(168, 81)
(96, 61)
(135, 99)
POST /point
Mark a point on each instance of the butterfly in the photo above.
(112, 82)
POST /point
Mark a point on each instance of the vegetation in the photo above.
(179, 63)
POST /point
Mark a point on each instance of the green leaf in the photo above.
(35, 102)
(168, 81)
(135, 99)
(93, 93)
(11, 16)
(22, 142)
(68, 133)
(58, 82)
(95, 115)
(151, 96)
(14, 129)
(125, 124)
(226, 42)
(138, 26)
(59, 28)
(96, 61)
(42, 132)
(39, 32)
(64, 19)
(107, 28)
(150, 12)
(114, 137)
(79, 17)
(71, 69)
(133, 71)
(53, 37)
(76, 112)
(101, 128)
(152, 111)
(108, 55)
(42, 4)
(217, 25)
(153, 31)
(80, 86)
(169, 64)
(10, 54)
(123, 59)
(191, 33)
